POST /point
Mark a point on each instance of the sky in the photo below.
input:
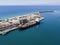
(29, 2)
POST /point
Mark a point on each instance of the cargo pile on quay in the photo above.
(20, 22)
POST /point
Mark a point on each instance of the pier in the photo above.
(20, 22)
(7, 30)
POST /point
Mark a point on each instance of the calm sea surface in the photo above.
(46, 33)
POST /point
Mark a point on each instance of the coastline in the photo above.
(14, 24)
(8, 30)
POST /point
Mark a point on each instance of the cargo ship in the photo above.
(20, 22)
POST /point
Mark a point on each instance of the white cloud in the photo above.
(29, 2)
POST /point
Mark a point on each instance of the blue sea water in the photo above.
(46, 33)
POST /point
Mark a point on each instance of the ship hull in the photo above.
(28, 26)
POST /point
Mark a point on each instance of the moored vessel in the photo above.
(20, 22)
